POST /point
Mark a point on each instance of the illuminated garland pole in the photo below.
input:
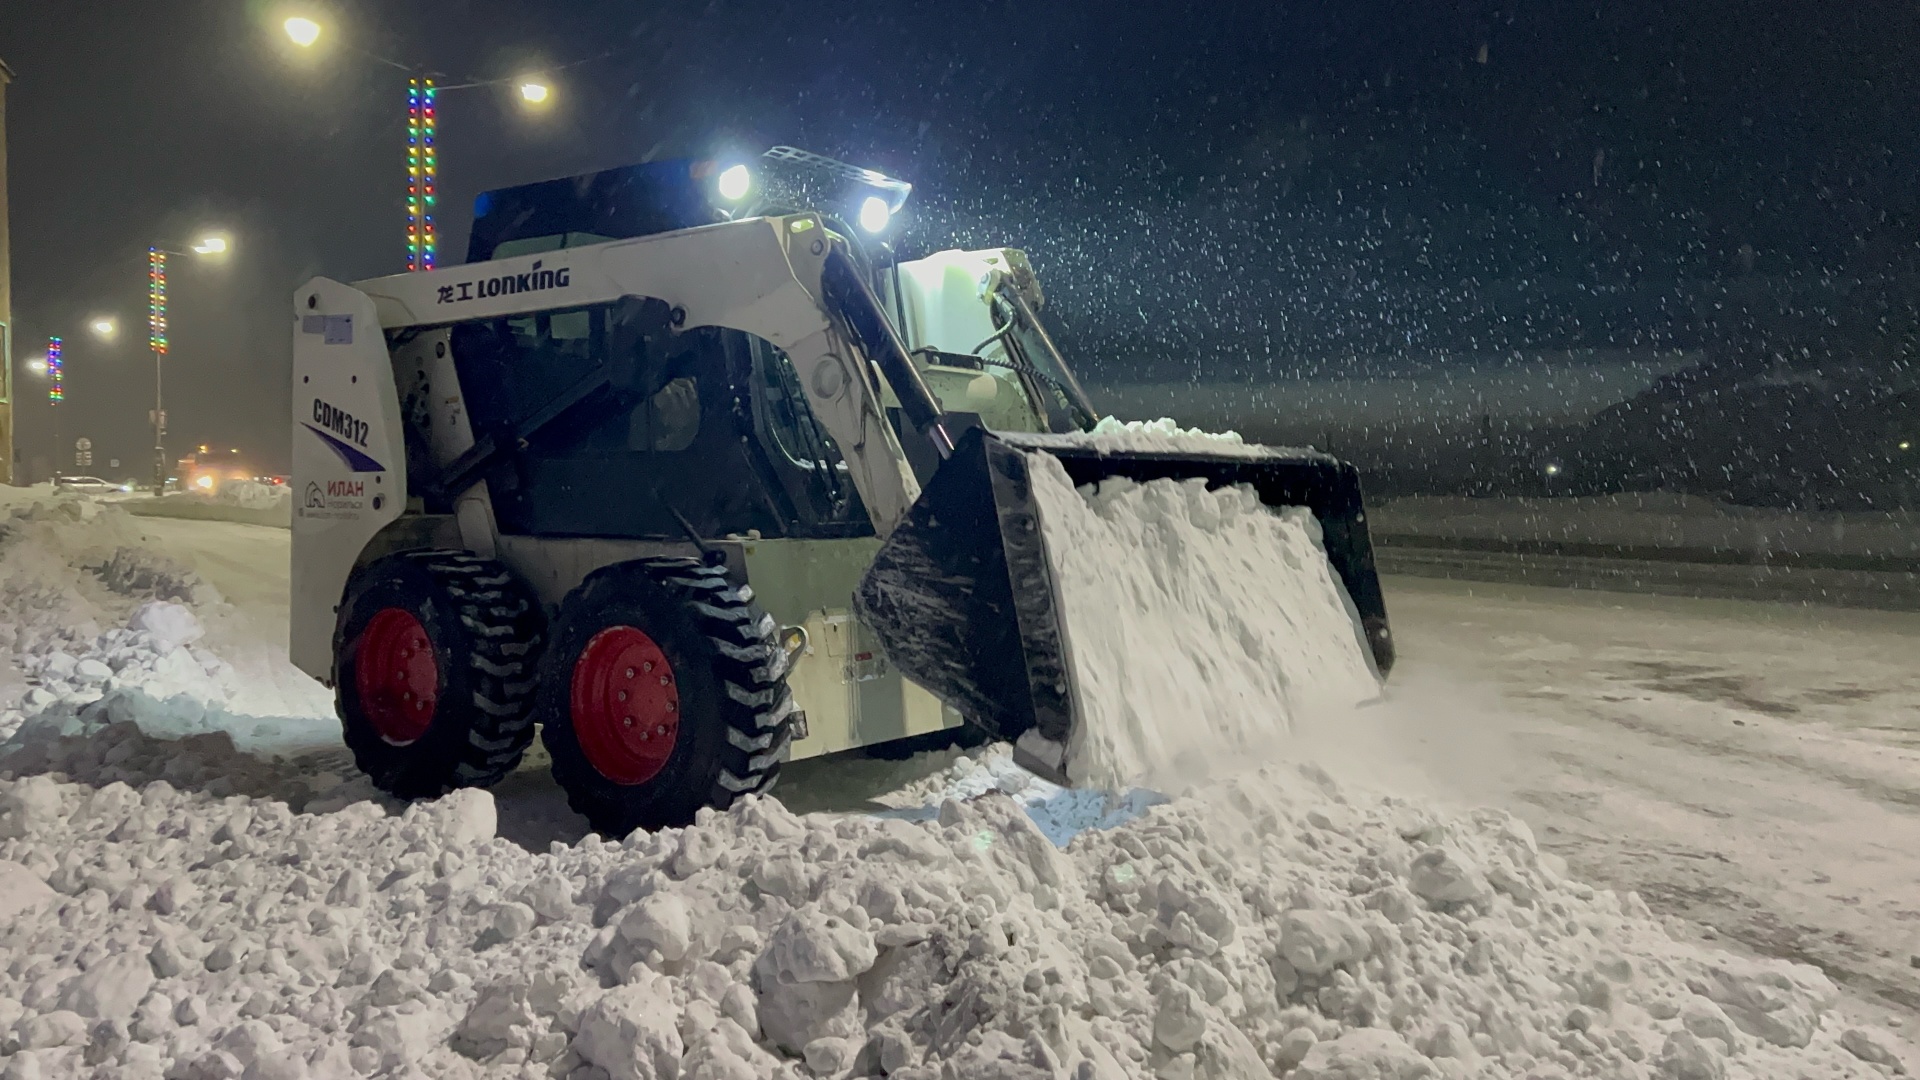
(56, 393)
(157, 341)
(423, 174)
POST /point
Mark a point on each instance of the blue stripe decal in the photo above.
(355, 460)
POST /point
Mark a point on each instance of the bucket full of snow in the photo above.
(1037, 572)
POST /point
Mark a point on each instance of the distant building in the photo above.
(6, 297)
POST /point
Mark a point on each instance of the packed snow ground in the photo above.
(1753, 768)
(185, 909)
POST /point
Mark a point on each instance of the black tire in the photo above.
(734, 709)
(486, 630)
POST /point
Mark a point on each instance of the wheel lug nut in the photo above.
(664, 680)
(626, 721)
(622, 695)
(661, 730)
(648, 666)
(629, 673)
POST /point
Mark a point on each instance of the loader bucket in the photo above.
(962, 596)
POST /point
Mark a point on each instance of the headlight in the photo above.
(874, 214)
(734, 183)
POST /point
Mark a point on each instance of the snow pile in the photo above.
(1153, 436)
(153, 653)
(1279, 925)
(1165, 428)
(253, 495)
(70, 566)
(1236, 623)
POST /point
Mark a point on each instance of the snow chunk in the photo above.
(1316, 942)
(1772, 1000)
(660, 922)
(1363, 1054)
(1686, 1056)
(464, 817)
(171, 625)
(29, 804)
(1875, 1046)
(111, 989)
(1179, 1018)
(812, 946)
(1444, 876)
(632, 1032)
(21, 892)
(398, 1039)
(512, 919)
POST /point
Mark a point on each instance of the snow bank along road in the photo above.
(186, 907)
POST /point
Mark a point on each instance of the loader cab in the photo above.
(704, 431)
(968, 318)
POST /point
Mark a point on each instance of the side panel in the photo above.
(851, 694)
(430, 398)
(349, 461)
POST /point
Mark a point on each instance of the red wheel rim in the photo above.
(626, 705)
(397, 676)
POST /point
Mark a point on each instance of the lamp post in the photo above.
(53, 365)
(157, 340)
(423, 159)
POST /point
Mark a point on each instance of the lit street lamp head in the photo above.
(304, 32)
(211, 245)
(104, 327)
(534, 91)
(37, 365)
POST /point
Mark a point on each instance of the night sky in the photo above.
(1221, 192)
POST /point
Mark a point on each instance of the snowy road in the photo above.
(1752, 768)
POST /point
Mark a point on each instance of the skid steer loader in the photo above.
(693, 475)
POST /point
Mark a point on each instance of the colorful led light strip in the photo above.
(423, 174)
(157, 300)
(58, 391)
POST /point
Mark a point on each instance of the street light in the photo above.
(304, 32)
(37, 365)
(423, 165)
(209, 245)
(104, 327)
